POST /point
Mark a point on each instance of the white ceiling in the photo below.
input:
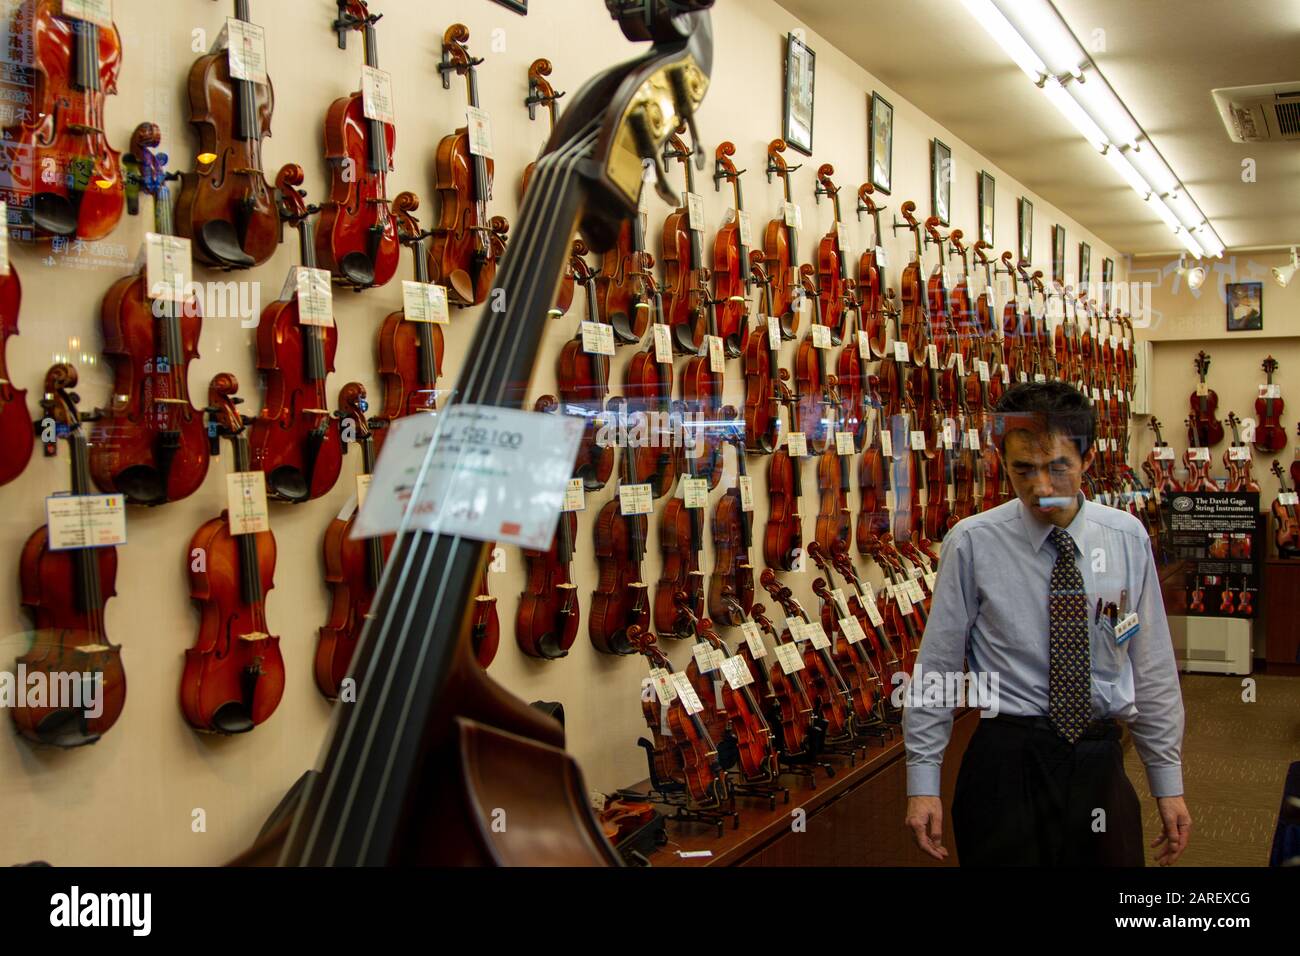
(1162, 57)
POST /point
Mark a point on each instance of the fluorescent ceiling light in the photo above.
(1012, 43)
(1072, 111)
(1186, 211)
(1100, 102)
(1209, 240)
(1189, 243)
(1164, 212)
(1147, 161)
(1120, 162)
(1046, 33)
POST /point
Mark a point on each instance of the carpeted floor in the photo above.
(1235, 759)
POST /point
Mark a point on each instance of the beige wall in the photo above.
(131, 798)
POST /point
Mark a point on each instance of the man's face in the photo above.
(1045, 465)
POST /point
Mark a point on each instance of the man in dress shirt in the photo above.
(1043, 782)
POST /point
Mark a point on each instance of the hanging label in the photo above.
(315, 296)
(363, 488)
(246, 50)
(932, 354)
(754, 639)
(479, 125)
(882, 258)
(635, 499)
(597, 338)
(903, 601)
(864, 345)
(918, 441)
(773, 332)
(886, 443)
(665, 689)
(707, 658)
(695, 492)
(1239, 453)
(167, 261)
(745, 228)
(973, 439)
(1202, 388)
(746, 484)
(949, 429)
(961, 364)
(789, 658)
(424, 302)
(793, 215)
(900, 351)
(873, 612)
(813, 631)
(246, 502)
(1270, 391)
(1039, 377)
(686, 693)
(841, 605)
(844, 443)
(1200, 454)
(575, 496)
(821, 336)
(736, 672)
(1096, 394)
(1105, 395)
(85, 521)
(1126, 627)
(930, 579)
(717, 361)
(852, 630)
(796, 445)
(663, 344)
(4, 238)
(98, 12)
(842, 237)
(1024, 376)
(1006, 375)
(1164, 453)
(914, 591)
(1289, 498)
(377, 96)
(695, 211)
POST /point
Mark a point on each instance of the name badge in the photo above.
(1126, 628)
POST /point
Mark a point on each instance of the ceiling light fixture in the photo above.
(1283, 275)
(1196, 278)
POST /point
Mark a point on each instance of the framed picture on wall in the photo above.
(1085, 264)
(800, 71)
(1058, 254)
(519, 6)
(1026, 244)
(880, 143)
(940, 180)
(988, 191)
(1245, 306)
(1107, 279)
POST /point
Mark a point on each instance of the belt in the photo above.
(1105, 728)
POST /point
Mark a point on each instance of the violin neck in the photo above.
(85, 560)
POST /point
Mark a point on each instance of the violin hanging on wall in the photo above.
(150, 444)
(781, 247)
(541, 93)
(226, 206)
(732, 280)
(410, 352)
(65, 592)
(763, 372)
(16, 437)
(60, 154)
(688, 303)
(234, 674)
(1204, 428)
(357, 239)
(1270, 434)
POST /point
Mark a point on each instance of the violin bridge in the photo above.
(93, 648)
(254, 636)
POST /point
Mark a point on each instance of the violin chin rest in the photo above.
(141, 485)
(232, 718)
(220, 241)
(54, 214)
(288, 484)
(358, 269)
(65, 728)
(462, 285)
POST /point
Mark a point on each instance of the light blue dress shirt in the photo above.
(991, 609)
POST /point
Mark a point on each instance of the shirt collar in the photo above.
(1037, 532)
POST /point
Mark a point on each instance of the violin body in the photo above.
(681, 572)
(1270, 436)
(620, 599)
(684, 294)
(702, 395)
(783, 536)
(357, 237)
(74, 178)
(762, 406)
(620, 296)
(16, 435)
(729, 272)
(227, 207)
(731, 586)
(405, 367)
(834, 520)
(546, 623)
(68, 639)
(150, 444)
(295, 440)
(458, 257)
(234, 674)
(352, 583)
(584, 382)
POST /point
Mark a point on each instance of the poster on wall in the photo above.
(940, 180)
(1245, 306)
(880, 143)
(1107, 280)
(988, 191)
(1026, 244)
(1058, 254)
(1215, 534)
(1085, 264)
(800, 71)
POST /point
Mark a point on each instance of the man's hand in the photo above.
(925, 820)
(1177, 824)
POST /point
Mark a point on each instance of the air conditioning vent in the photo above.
(1260, 114)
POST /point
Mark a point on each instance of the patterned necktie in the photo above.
(1069, 681)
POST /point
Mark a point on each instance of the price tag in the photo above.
(961, 364)
(1105, 395)
(717, 361)
(1289, 498)
(821, 336)
(1006, 375)
(575, 496)
(694, 204)
(167, 260)
(315, 296)
(1024, 376)
(789, 658)
(1123, 343)
(973, 439)
(886, 443)
(686, 693)
(773, 332)
(1164, 453)
(736, 672)
(98, 12)
(662, 681)
(903, 601)
(864, 345)
(1202, 388)
(707, 658)
(914, 591)
(85, 521)
(1200, 454)
(918, 441)
(754, 639)
(844, 443)
(246, 502)
(4, 238)
(813, 631)
(1239, 453)
(363, 488)
(988, 294)
(882, 258)
(695, 492)
(663, 344)
(930, 578)
(1270, 391)
(246, 50)
(635, 499)
(949, 427)
(377, 98)
(798, 630)
(932, 354)
(1096, 394)
(873, 612)
(842, 237)
(1039, 377)
(597, 338)
(852, 630)
(793, 215)
(900, 351)
(1114, 341)
(796, 445)
(745, 228)
(424, 302)
(746, 484)
(597, 801)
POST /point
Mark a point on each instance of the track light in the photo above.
(1282, 275)
(1195, 276)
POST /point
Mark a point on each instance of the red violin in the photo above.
(732, 280)
(16, 436)
(1270, 435)
(763, 372)
(781, 247)
(620, 602)
(410, 350)
(688, 304)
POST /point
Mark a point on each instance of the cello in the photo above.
(687, 301)
(353, 566)
(467, 244)
(410, 350)
(781, 247)
(61, 137)
(16, 437)
(150, 444)
(1270, 435)
(65, 591)
(357, 240)
(1204, 423)
(234, 674)
(295, 440)
(732, 272)
(226, 206)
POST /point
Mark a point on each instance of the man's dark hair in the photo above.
(1047, 406)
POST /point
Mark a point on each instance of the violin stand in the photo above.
(805, 765)
(844, 747)
(671, 793)
(738, 786)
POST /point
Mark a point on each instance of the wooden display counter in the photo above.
(852, 819)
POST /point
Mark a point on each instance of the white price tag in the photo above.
(1270, 391)
(717, 361)
(853, 632)
(1096, 394)
(754, 639)
(873, 612)
(489, 473)
(882, 258)
(167, 260)
(575, 496)
(315, 296)
(900, 351)
(1200, 454)
(4, 238)
(746, 484)
(695, 492)
(821, 336)
(377, 95)
(796, 445)
(425, 302)
(1040, 377)
(1202, 388)
(1024, 376)
(1239, 453)
(479, 125)
(864, 345)
(736, 672)
(841, 604)
(773, 332)
(246, 508)
(793, 215)
(961, 364)
(1164, 453)
(813, 631)
(695, 211)
(98, 12)
(914, 591)
(745, 228)
(842, 237)
(1006, 375)
(635, 499)
(844, 443)
(949, 430)
(788, 656)
(246, 52)
(707, 657)
(363, 488)
(597, 338)
(932, 355)
(665, 689)
(918, 441)
(904, 602)
(930, 578)
(663, 344)
(1289, 498)
(1105, 395)
(686, 693)
(85, 521)
(886, 443)
(973, 439)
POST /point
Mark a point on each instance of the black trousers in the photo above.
(1025, 797)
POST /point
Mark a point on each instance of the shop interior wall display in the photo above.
(155, 792)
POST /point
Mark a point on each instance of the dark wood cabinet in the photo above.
(1281, 611)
